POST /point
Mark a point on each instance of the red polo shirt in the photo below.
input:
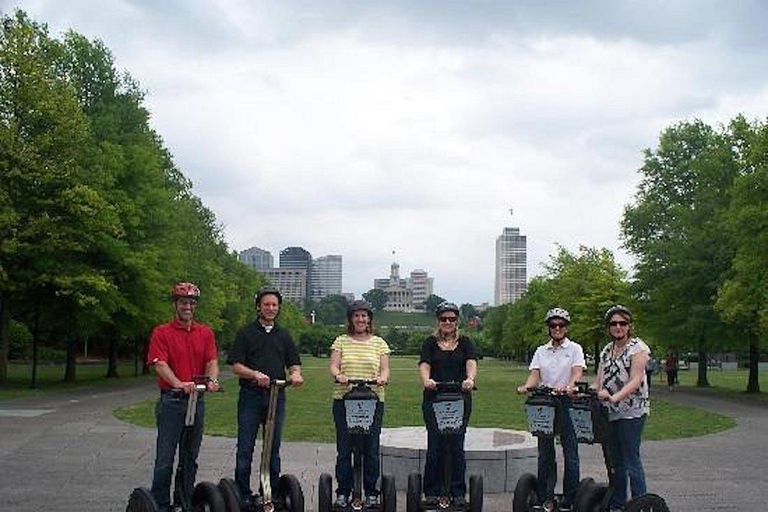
(186, 351)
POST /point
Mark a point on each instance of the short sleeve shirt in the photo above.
(616, 374)
(185, 350)
(360, 360)
(268, 352)
(446, 365)
(555, 363)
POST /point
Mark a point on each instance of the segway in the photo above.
(448, 409)
(288, 497)
(205, 496)
(360, 404)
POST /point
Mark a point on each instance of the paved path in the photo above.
(68, 454)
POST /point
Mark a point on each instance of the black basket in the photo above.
(540, 411)
(449, 413)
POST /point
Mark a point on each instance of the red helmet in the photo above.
(184, 289)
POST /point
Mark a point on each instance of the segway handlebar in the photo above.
(452, 385)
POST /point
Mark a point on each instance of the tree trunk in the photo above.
(145, 366)
(702, 381)
(5, 333)
(753, 382)
(70, 374)
(35, 343)
(112, 368)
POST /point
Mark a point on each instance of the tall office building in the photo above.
(326, 276)
(292, 282)
(421, 285)
(298, 257)
(257, 259)
(511, 268)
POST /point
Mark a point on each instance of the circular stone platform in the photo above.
(499, 455)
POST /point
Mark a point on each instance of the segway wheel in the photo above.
(579, 488)
(525, 493)
(388, 494)
(207, 498)
(413, 496)
(324, 497)
(231, 494)
(647, 503)
(290, 489)
(592, 497)
(475, 493)
(141, 500)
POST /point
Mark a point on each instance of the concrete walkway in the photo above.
(68, 454)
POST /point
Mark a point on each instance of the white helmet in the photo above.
(557, 313)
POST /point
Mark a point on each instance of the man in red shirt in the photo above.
(180, 350)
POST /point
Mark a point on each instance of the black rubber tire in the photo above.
(475, 493)
(580, 488)
(290, 490)
(413, 496)
(231, 494)
(388, 494)
(591, 498)
(207, 498)
(647, 503)
(324, 496)
(525, 493)
(141, 500)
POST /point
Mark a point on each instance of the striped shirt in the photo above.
(359, 360)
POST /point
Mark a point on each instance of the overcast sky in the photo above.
(365, 127)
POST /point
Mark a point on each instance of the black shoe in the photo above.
(459, 501)
(431, 501)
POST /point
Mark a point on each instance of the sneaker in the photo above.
(459, 501)
(372, 501)
(564, 508)
(548, 506)
(341, 501)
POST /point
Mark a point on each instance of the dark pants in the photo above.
(671, 377)
(252, 410)
(170, 412)
(625, 454)
(437, 446)
(547, 474)
(344, 446)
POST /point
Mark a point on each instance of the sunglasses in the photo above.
(450, 319)
(556, 325)
(622, 323)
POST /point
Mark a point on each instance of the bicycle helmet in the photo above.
(268, 290)
(446, 306)
(183, 290)
(359, 305)
(558, 313)
(618, 308)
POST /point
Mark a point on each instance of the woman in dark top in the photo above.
(446, 356)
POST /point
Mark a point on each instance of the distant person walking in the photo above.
(651, 368)
(671, 366)
(179, 351)
(621, 385)
(557, 364)
(358, 354)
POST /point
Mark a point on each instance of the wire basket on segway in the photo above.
(360, 405)
(448, 410)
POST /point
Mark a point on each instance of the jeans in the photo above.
(252, 410)
(437, 445)
(344, 446)
(170, 412)
(625, 454)
(547, 474)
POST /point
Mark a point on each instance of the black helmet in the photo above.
(446, 306)
(359, 305)
(618, 308)
(268, 290)
(557, 313)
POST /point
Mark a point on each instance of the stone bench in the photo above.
(499, 455)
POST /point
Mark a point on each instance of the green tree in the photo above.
(332, 310)
(674, 228)
(377, 298)
(432, 302)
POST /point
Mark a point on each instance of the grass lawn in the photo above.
(397, 319)
(495, 404)
(50, 379)
(721, 381)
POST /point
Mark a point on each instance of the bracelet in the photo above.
(214, 381)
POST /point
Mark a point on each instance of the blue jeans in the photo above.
(344, 446)
(252, 410)
(625, 454)
(547, 474)
(170, 412)
(436, 448)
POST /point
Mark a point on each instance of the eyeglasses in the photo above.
(556, 325)
(622, 323)
(450, 319)
(186, 302)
